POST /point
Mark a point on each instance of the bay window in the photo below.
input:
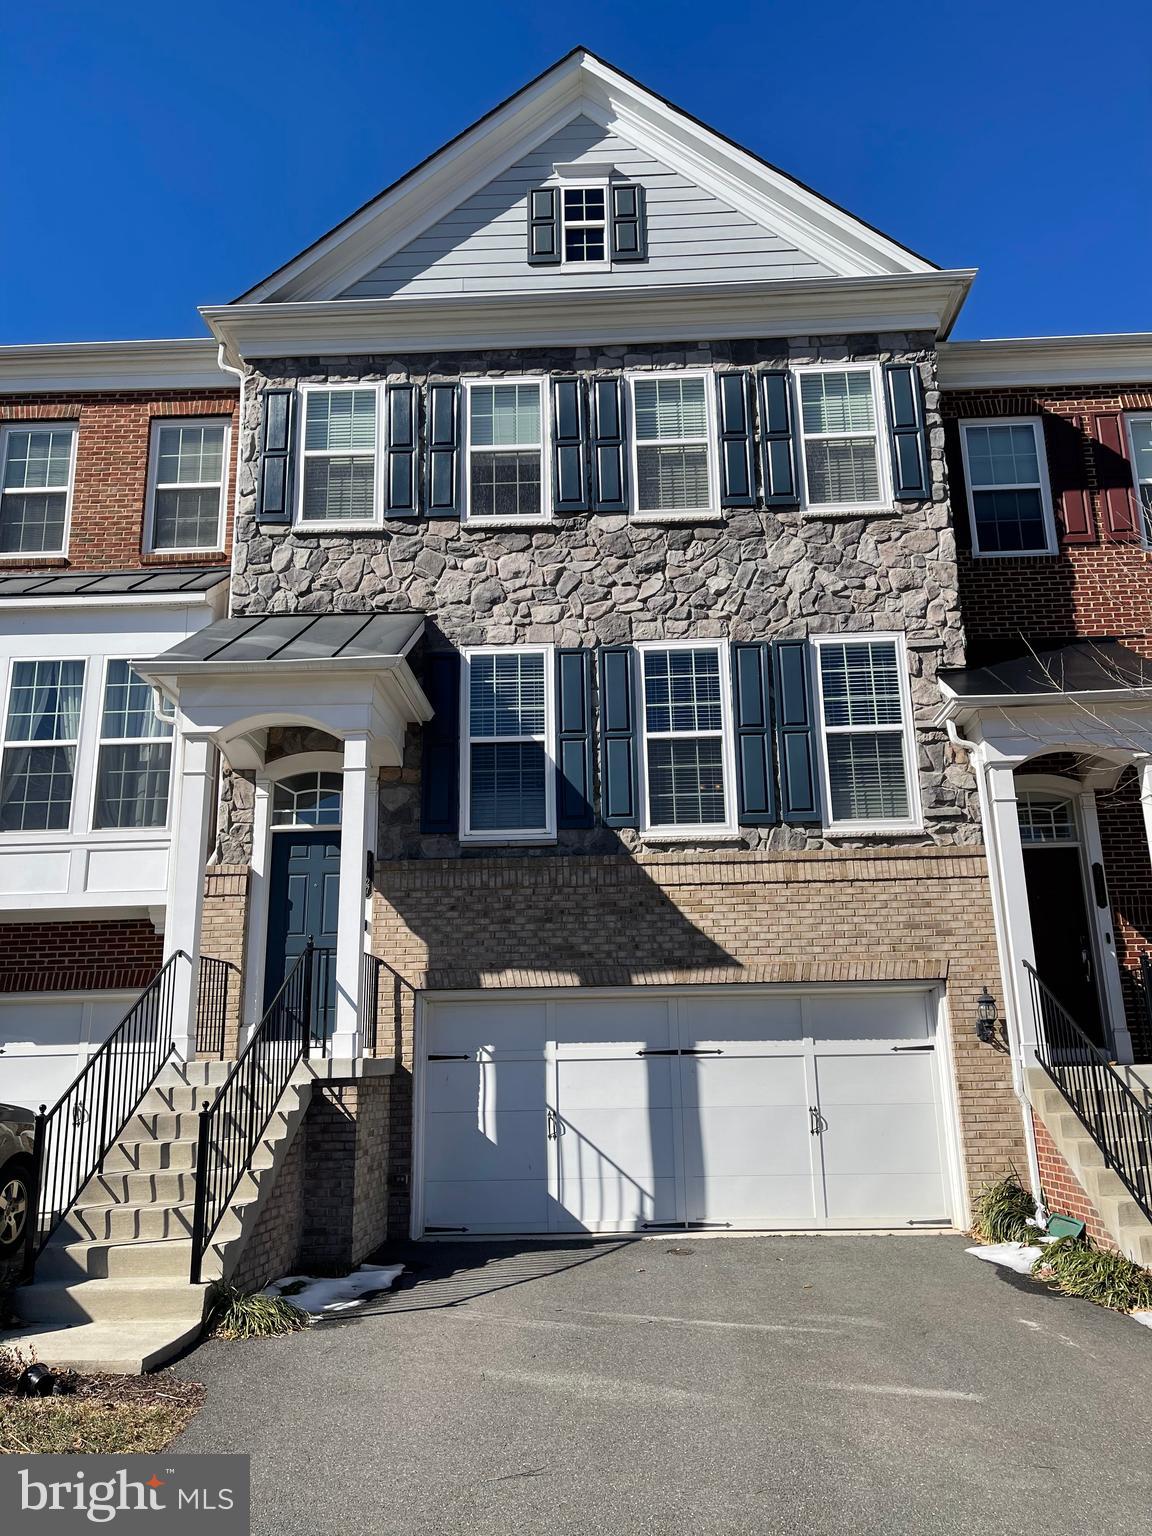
(506, 451)
(134, 759)
(838, 417)
(686, 739)
(508, 776)
(41, 732)
(868, 743)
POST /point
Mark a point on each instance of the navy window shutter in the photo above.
(574, 738)
(569, 447)
(277, 445)
(796, 728)
(752, 689)
(911, 478)
(737, 474)
(544, 226)
(440, 747)
(609, 448)
(629, 221)
(619, 805)
(781, 482)
(401, 490)
(442, 482)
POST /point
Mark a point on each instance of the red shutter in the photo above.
(1114, 477)
(1067, 464)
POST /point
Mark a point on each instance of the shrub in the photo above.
(237, 1315)
(1108, 1279)
(1002, 1211)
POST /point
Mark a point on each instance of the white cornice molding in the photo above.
(1035, 361)
(674, 312)
(75, 366)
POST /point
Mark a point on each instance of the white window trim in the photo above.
(338, 525)
(6, 431)
(914, 822)
(1145, 517)
(591, 184)
(101, 741)
(672, 832)
(16, 834)
(885, 500)
(154, 485)
(478, 520)
(1044, 487)
(713, 510)
(547, 833)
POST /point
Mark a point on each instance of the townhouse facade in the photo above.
(655, 661)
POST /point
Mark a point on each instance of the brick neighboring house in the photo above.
(604, 693)
(109, 549)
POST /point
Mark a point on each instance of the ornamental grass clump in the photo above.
(1002, 1213)
(1074, 1268)
(239, 1315)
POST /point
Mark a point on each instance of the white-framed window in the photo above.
(37, 471)
(41, 734)
(1045, 818)
(839, 421)
(308, 800)
(133, 756)
(584, 216)
(1140, 452)
(867, 737)
(505, 428)
(187, 478)
(1006, 475)
(338, 455)
(686, 756)
(673, 454)
(507, 773)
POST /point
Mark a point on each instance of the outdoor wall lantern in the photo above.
(986, 1017)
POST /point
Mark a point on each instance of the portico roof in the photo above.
(294, 641)
(1098, 667)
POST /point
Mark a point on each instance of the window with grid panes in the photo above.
(507, 759)
(505, 450)
(670, 424)
(839, 437)
(685, 721)
(866, 731)
(339, 456)
(41, 729)
(188, 473)
(35, 484)
(134, 760)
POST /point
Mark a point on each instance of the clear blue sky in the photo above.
(160, 156)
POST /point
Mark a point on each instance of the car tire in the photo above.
(15, 1203)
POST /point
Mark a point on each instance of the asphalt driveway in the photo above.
(728, 1385)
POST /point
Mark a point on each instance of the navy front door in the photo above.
(303, 898)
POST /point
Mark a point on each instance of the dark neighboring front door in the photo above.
(303, 899)
(1062, 933)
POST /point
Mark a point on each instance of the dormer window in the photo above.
(581, 223)
(585, 224)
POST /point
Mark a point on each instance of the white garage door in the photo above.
(632, 1111)
(44, 1041)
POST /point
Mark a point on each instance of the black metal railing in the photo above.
(212, 1006)
(382, 1002)
(75, 1135)
(324, 1005)
(370, 1003)
(232, 1125)
(1118, 1122)
(1146, 988)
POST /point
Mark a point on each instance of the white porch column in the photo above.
(357, 837)
(186, 883)
(1007, 868)
(257, 919)
(1145, 766)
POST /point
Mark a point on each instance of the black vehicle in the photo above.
(17, 1128)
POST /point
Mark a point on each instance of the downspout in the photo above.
(1000, 923)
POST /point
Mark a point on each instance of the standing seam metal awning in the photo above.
(295, 638)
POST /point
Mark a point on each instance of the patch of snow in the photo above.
(1017, 1256)
(1142, 1317)
(317, 1296)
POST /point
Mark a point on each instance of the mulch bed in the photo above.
(122, 1415)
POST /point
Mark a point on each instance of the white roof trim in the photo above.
(581, 84)
(674, 312)
(65, 367)
(1028, 361)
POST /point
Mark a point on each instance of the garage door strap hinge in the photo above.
(672, 1052)
(913, 1047)
(675, 1051)
(449, 1058)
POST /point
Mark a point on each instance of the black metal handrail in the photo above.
(212, 1006)
(370, 1002)
(232, 1125)
(75, 1135)
(1117, 1121)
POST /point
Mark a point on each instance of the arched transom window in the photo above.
(1046, 818)
(307, 800)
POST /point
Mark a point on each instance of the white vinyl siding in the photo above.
(1006, 475)
(41, 734)
(868, 747)
(37, 469)
(187, 472)
(673, 468)
(507, 776)
(134, 761)
(838, 416)
(686, 739)
(338, 468)
(505, 438)
(1140, 448)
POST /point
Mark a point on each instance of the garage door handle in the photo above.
(556, 1127)
(818, 1123)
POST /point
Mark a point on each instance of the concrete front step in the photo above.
(170, 1186)
(166, 1259)
(134, 1156)
(143, 1221)
(122, 1300)
(115, 1349)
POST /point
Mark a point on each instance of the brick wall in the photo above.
(1064, 1195)
(101, 955)
(1102, 588)
(112, 471)
(345, 1213)
(1128, 869)
(222, 936)
(832, 916)
(273, 1248)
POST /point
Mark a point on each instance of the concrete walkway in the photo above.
(803, 1385)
